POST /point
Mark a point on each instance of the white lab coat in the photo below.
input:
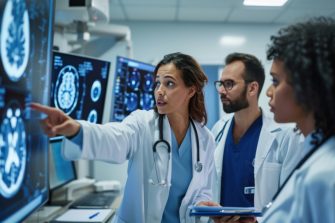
(133, 140)
(309, 195)
(274, 159)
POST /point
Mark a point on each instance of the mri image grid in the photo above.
(25, 49)
(79, 86)
(133, 87)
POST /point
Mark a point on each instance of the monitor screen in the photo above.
(61, 171)
(79, 86)
(25, 47)
(133, 87)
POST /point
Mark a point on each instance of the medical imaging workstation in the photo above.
(25, 66)
(34, 176)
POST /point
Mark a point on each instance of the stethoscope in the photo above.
(302, 161)
(162, 149)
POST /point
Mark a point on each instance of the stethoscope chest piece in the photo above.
(198, 166)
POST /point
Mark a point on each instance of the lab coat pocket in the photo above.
(269, 180)
(157, 198)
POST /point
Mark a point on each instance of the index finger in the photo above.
(41, 108)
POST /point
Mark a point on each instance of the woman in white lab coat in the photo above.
(303, 90)
(160, 186)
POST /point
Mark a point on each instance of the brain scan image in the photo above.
(13, 152)
(131, 101)
(79, 85)
(66, 93)
(148, 83)
(26, 41)
(15, 39)
(134, 80)
(93, 116)
(133, 87)
(96, 91)
(147, 101)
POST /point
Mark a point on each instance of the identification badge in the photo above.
(249, 190)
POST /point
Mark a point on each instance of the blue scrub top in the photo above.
(237, 180)
(180, 178)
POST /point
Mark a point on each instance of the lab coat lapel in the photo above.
(166, 136)
(218, 158)
(158, 195)
(266, 138)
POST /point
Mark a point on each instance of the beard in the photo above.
(240, 103)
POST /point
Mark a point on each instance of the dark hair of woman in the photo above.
(307, 50)
(192, 75)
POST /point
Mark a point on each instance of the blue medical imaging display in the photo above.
(61, 171)
(25, 47)
(133, 87)
(79, 86)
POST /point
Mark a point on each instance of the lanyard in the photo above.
(301, 162)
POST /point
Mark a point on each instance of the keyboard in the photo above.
(96, 200)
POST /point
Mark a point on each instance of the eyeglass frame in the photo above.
(222, 84)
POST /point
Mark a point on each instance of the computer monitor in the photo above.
(25, 47)
(79, 86)
(61, 171)
(133, 87)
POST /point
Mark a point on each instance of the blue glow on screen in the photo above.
(133, 87)
(25, 43)
(61, 171)
(79, 86)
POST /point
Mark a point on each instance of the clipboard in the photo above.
(223, 211)
(84, 216)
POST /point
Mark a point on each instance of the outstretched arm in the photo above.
(56, 122)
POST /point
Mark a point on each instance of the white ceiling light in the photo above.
(232, 40)
(264, 2)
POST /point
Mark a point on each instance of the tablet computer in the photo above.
(223, 211)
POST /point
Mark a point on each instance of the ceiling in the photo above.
(221, 11)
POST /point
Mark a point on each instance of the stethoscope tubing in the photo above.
(161, 140)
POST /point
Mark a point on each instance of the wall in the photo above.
(151, 41)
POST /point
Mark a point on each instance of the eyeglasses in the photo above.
(227, 84)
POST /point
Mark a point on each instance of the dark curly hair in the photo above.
(192, 75)
(253, 68)
(307, 50)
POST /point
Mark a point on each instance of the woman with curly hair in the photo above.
(302, 91)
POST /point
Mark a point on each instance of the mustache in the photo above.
(222, 97)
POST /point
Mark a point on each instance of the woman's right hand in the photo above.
(57, 122)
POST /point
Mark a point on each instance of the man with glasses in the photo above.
(248, 143)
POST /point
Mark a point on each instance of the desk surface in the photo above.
(49, 213)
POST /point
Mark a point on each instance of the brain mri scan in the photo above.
(133, 87)
(15, 39)
(26, 39)
(95, 90)
(66, 90)
(13, 152)
(79, 85)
